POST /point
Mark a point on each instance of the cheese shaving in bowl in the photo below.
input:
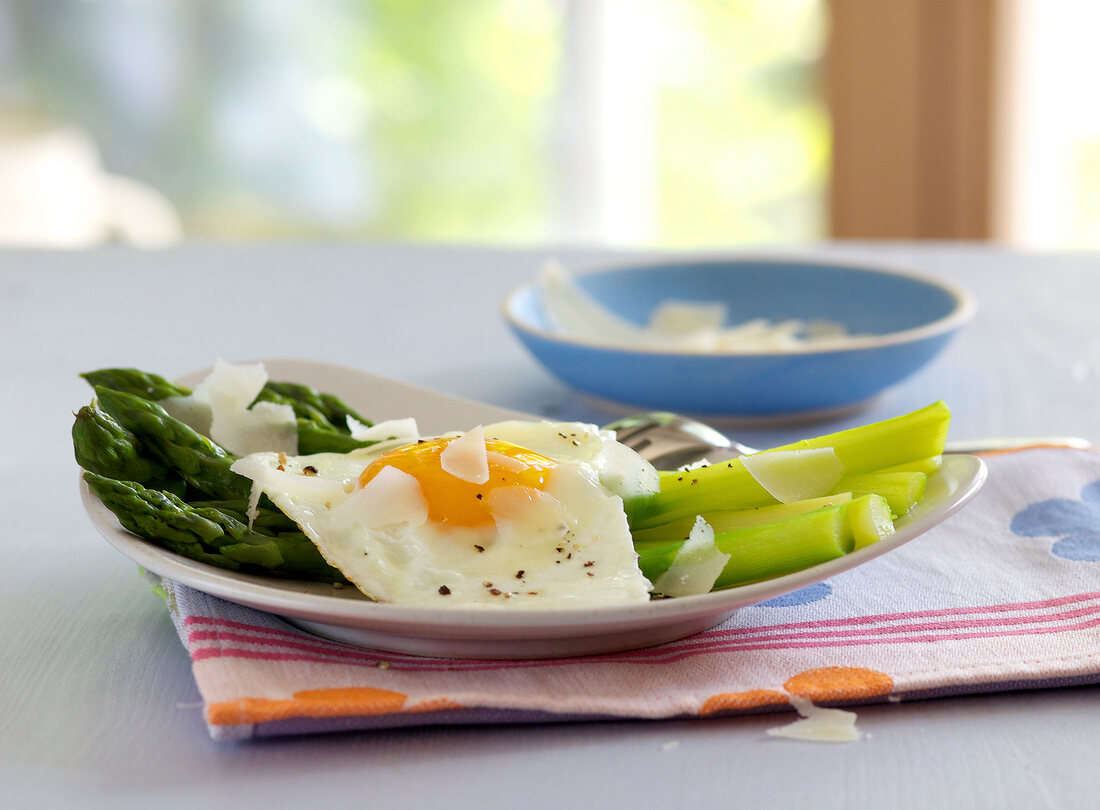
(674, 325)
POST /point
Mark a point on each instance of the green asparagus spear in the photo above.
(322, 418)
(199, 461)
(308, 403)
(103, 446)
(133, 439)
(162, 518)
(267, 518)
(314, 438)
(784, 546)
(208, 534)
(727, 520)
(133, 381)
(902, 490)
(892, 442)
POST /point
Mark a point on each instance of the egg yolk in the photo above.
(455, 501)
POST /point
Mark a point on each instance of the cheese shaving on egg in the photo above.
(464, 457)
(392, 497)
(266, 477)
(621, 470)
(546, 535)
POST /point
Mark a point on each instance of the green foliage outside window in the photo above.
(428, 119)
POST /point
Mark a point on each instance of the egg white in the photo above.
(566, 546)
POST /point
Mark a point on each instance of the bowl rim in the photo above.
(962, 312)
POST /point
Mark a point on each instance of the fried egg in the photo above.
(514, 514)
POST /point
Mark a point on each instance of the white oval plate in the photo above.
(346, 615)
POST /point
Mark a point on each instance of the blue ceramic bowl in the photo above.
(902, 320)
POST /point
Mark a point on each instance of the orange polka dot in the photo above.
(434, 705)
(347, 702)
(730, 701)
(839, 683)
(351, 700)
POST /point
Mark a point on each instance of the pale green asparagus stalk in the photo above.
(909, 438)
(784, 546)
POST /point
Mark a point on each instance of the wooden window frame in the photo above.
(911, 87)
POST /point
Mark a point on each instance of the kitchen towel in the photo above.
(1005, 594)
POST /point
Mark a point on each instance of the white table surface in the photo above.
(97, 704)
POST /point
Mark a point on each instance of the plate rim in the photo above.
(286, 597)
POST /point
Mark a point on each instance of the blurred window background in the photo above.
(654, 123)
(638, 121)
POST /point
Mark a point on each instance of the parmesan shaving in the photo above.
(294, 484)
(506, 462)
(514, 504)
(688, 326)
(464, 457)
(818, 724)
(253, 509)
(623, 472)
(698, 325)
(264, 426)
(579, 440)
(795, 475)
(381, 431)
(697, 564)
(392, 497)
(229, 390)
(574, 312)
(193, 413)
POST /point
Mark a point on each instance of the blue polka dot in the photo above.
(1055, 517)
(803, 596)
(1091, 492)
(1079, 547)
(1074, 524)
